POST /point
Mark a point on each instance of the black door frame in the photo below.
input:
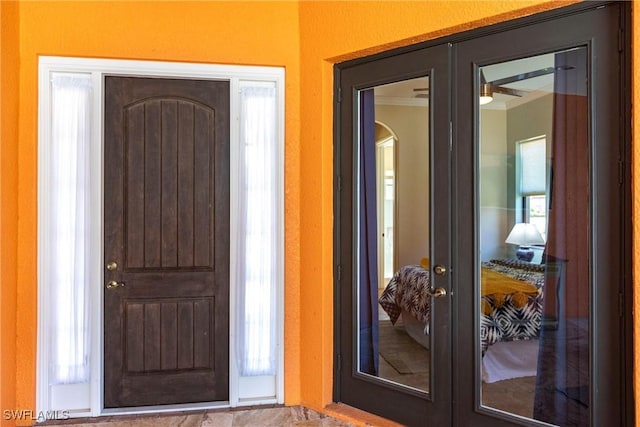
(390, 69)
(342, 180)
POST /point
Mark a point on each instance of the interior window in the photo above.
(532, 177)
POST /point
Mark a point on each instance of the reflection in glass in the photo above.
(393, 233)
(385, 201)
(534, 238)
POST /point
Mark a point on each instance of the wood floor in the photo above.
(515, 395)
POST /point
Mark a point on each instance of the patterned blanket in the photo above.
(507, 316)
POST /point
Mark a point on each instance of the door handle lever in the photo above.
(437, 292)
(113, 284)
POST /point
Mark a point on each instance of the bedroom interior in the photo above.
(532, 311)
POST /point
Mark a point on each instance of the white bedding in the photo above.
(415, 329)
(510, 359)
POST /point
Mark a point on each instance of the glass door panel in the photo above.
(534, 237)
(393, 233)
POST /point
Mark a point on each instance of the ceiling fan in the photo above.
(487, 89)
(424, 92)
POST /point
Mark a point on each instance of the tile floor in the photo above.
(263, 417)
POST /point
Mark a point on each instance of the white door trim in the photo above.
(242, 390)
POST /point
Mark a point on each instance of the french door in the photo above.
(368, 384)
(507, 303)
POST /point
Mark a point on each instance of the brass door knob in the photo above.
(112, 266)
(438, 292)
(112, 284)
(439, 270)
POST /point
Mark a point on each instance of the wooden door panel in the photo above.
(174, 185)
(178, 334)
(166, 216)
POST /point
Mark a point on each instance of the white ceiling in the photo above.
(403, 93)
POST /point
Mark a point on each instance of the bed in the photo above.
(511, 305)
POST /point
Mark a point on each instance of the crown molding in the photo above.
(402, 101)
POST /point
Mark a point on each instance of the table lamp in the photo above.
(524, 235)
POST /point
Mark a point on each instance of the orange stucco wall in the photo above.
(251, 33)
(292, 34)
(8, 199)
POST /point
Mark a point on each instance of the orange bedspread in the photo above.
(498, 286)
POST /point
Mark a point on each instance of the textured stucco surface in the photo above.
(305, 37)
(9, 57)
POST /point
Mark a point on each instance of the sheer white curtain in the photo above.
(257, 230)
(68, 256)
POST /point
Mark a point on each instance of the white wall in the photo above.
(494, 183)
(500, 130)
(528, 121)
(411, 126)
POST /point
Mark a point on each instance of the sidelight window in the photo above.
(258, 223)
(69, 221)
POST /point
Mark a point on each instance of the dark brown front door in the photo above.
(166, 216)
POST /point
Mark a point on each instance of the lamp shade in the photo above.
(525, 234)
(486, 94)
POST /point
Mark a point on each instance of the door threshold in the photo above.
(181, 407)
(357, 416)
